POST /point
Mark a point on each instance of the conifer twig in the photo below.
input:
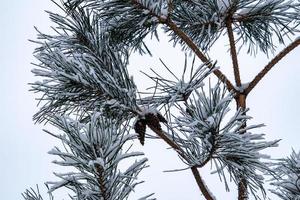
(202, 186)
(233, 52)
(199, 54)
(190, 43)
(271, 64)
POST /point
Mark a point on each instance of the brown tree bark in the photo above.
(242, 186)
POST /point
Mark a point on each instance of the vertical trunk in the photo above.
(241, 101)
(242, 186)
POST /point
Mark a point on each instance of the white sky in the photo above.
(23, 145)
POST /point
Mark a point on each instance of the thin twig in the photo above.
(271, 64)
(233, 53)
(165, 137)
(202, 186)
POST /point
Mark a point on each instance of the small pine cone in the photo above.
(140, 129)
(161, 118)
(153, 120)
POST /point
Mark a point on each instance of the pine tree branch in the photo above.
(101, 183)
(213, 149)
(199, 54)
(245, 18)
(167, 21)
(202, 186)
(164, 137)
(271, 64)
(233, 52)
(170, 8)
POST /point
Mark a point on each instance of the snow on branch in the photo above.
(78, 31)
(201, 21)
(288, 178)
(83, 72)
(83, 82)
(34, 194)
(259, 21)
(95, 150)
(255, 22)
(168, 91)
(128, 22)
(205, 135)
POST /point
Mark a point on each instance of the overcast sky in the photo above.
(24, 146)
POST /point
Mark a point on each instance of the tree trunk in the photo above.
(242, 186)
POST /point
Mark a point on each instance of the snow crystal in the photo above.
(98, 161)
(242, 88)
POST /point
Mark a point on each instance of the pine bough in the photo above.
(88, 94)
